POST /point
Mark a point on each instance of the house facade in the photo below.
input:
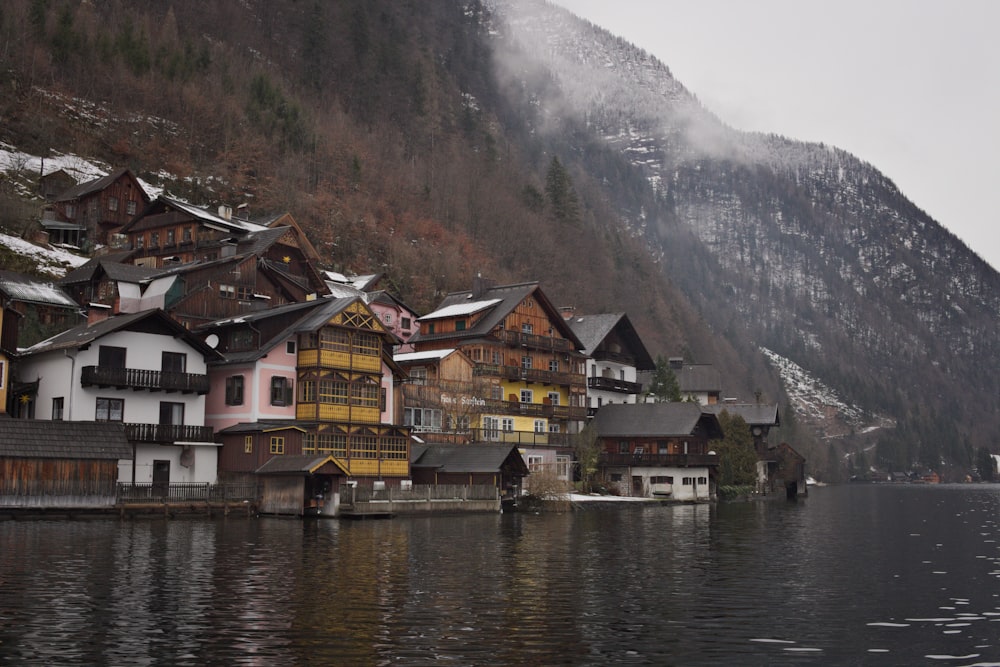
(312, 379)
(90, 213)
(530, 387)
(616, 356)
(143, 370)
(658, 450)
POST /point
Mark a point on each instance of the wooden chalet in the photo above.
(46, 309)
(520, 343)
(441, 395)
(499, 465)
(658, 449)
(59, 464)
(54, 183)
(91, 212)
(616, 357)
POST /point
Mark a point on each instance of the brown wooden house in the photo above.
(98, 208)
(498, 465)
(57, 464)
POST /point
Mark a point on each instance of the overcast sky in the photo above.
(910, 86)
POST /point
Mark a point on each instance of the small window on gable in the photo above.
(290, 347)
(459, 325)
(248, 444)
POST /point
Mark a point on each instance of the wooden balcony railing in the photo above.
(614, 384)
(531, 438)
(653, 460)
(168, 433)
(528, 374)
(138, 378)
(535, 341)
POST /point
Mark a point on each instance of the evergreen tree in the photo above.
(664, 387)
(737, 458)
(563, 202)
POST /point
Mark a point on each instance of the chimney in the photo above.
(567, 312)
(481, 285)
(225, 212)
(97, 312)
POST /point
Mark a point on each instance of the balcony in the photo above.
(138, 378)
(538, 375)
(519, 339)
(522, 438)
(168, 433)
(613, 384)
(659, 460)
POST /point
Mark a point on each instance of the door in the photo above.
(161, 478)
(637, 486)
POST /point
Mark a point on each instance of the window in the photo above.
(534, 463)
(496, 392)
(405, 323)
(554, 397)
(281, 391)
(430, 327)
(307, 391)
(623, 446)
(57, 408)
(422, 419)
(458, 423)
(703, 480)
(640, 450)
(290, 347)
(154, 240)
(112, 203)
(491, 428)
(170, 237)
(687, 481)
(554, 428)
(527, 396)
(171, 413)
(111, 357)
(526, 328)
(562, 467)
(526, 362)
(418, 375)
(616, 477)
(459, 325)
(70, 211)
(227, 291)
(387, 318)
(277, 444)
(507, 424)
(2, 369)
(539, 426)
(186, 235)
(173, 362)
(109, 409)
(130, 207)
(248, 444)
(234, 390)
(554, 365)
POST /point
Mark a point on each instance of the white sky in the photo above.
(910, 86)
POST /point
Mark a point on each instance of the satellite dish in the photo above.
(212, 340)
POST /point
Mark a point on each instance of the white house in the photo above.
(143, 369)
(616, 357)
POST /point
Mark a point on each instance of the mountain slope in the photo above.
(803, 248)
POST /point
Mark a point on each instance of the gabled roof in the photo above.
(429, 355)
(593, 329)
(504, 299)
(301, 464)
(202, 215)
(466, 458)
(151, 321)
(98, 184)
(19, 287)
(650, 420)
(114, 267)
(754, 414)
(699, 377)
(31, 438)
(266, 426)
(363, 283)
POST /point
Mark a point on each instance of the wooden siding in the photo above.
(22, 477)
(342, 360)
(338, 413)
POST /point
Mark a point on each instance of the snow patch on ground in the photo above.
(54, 261)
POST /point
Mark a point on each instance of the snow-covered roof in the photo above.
(51, 260)
(209, 217)
(428, 355)
(460, 309)
(23, 288)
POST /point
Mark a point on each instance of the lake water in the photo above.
(852, 575)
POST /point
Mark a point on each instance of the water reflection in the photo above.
(886, 575)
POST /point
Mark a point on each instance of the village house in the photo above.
(658, 450)
(616, 355)
(698, 382)
(90, 213)
(313, 381)
(45, 308)
(529, 385)
(140, 369)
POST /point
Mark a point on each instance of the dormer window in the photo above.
(459, 325)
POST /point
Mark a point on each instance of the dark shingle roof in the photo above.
(264, 426)
(593, 329)
(759, 414)
(292, 464)
(649, 419)
(30, 438)
(96, 185)
(464, 458)
(509, 297)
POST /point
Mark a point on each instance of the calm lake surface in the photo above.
(852, 575)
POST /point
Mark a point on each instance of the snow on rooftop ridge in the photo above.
(421, 356)
(460, 309)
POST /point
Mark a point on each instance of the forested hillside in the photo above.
(434, 140)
